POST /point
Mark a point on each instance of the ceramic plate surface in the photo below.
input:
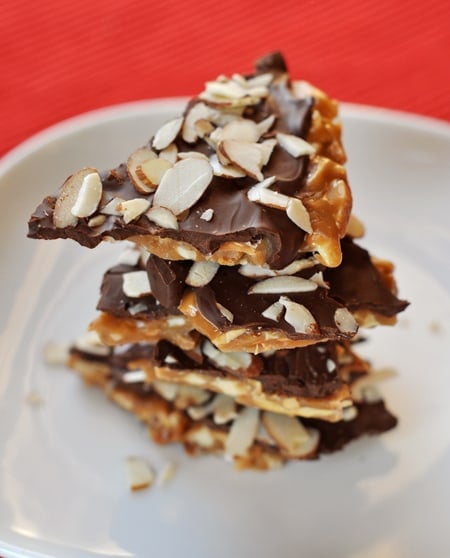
(63, 491)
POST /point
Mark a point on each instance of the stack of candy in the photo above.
(229, 322)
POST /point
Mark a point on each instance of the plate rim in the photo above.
(84, 120)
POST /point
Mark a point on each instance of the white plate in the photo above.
(62, 480)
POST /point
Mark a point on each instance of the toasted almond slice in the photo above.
(227, 89)
(67, 197)
(245, 155)
(201, 273)
(170, 153)
(199, 111)
(192, 155)
(237, 360)
(266, 148)
(167, 133)
(264, 196)
(191, 395)
(288, 431)
(283, 284)
(255, 271)
(162, 217)
(136, 284)
(198, 413)
(166, 390)
(344, 321)
(134, 377)
(224, 409)
(135, 160)
(242, 129)
(111, 208)
(290, 434)
(96, 221)
(207, 215)
(299, 215)
(294, 145)
(297, 265)
(132, 209)
(298, 316)
(242, 432)
(203, 127)
(139, 473)
(152, 171)
(260, 80)
(182, 185)
(166, 474)
(89, 196)
(265, 125)
(319, 280)
(227, 171)
(225, 312)
(274, 311)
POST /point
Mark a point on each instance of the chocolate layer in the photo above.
(235, 218)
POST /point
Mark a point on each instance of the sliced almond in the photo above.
(135, 160)
(183, 185)
(224, 409)
(170, 153)
(96, 221)
(192, 155)
(199, 111)
(207, 215)
(166, 474)
(191, 395)
(162, 217)
(288, 431)
(259, 80)
(225, 312)
(226, 89)
(294, 145)
(274, 311)
(237, 360)
(140, 474)
(297, 265)
(166, 390)
(299, 215)
(167, 133)
(67, 197)
(152, 171)
(242, 432)
(265, 125)
(226, 171)
(132, 209)
(134, 377)
(203, 127)
(266, 148)
(201, 273)
(344, 321)
(283, 284)
(242, 129)
(111, 208)
(298, 316)
(255, 271)
(264, 196)
(245, 155)
(89, 196)
(136, 284)
(319, 280)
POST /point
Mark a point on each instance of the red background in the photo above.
(61, 58)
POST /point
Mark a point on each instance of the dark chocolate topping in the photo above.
(114, 301)
(167, 280)
(235, 218)
(358, 284)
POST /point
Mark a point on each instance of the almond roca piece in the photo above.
(252, 172)
(231, 321)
